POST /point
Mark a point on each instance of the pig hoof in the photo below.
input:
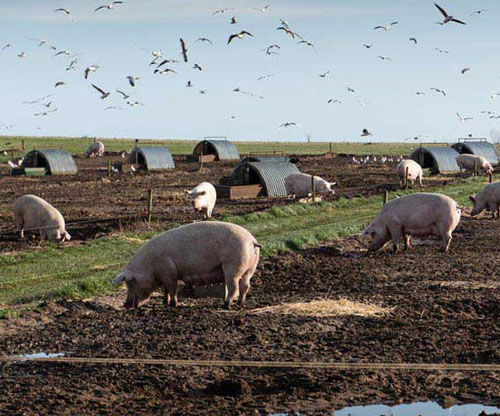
(173, 303)
(226, 306)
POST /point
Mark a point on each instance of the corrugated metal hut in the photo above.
(55, 162)
(152, 158)
(212, 149)
(478, 147)
(437, 159)
(253, 179)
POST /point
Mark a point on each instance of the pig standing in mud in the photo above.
(468, 162)
(488, 198)
(301, 184)
(32, 212)
(198, 254)
(417, 214)
(414, 172)
(96, 149)
(202, 197)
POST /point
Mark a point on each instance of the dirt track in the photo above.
(445, 311)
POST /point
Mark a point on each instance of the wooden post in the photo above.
(109, 167)
(22, 145)
(406, 176)
(490, 177)
(313, 187)
(201, 160)
(386, 197)
(150, 205)
(475, 168)
(330, 146)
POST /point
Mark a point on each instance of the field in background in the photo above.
(79, 145)
(83, 270)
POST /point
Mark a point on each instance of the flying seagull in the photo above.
(132, 79)
(238, 36)
(262, 9)
(125, 96)
(22, 55)
(464, 119)
(333, 101)
(66, 11)
(289, 124)
(44, 113)
(222, 11)
(134, 104)
(365, 133)
(386, 27)
(265, 77)
(65, 52)
(289, 31)
(72, 64)
(189, 84)
(109, 6)
(89, 69)
(269, 49)
(104, 94)
(441, 50)
(324, 74)
(367, 45)
(184, 50)
(479, 11)
(307, 43)
(414, 40)
(463, 71)
(204, 40)
(7, 45)
(164, 71)
(349, 89)
(447, 17)
(439, 91)
(384, 58)
(420, 93)
(233, 20)
(59, 84)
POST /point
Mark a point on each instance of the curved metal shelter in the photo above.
(152, 158)
(222, 149)
(478, 148)
(55, 162)
(437, 159)
(271, 176)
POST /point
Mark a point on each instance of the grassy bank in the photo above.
(79, 145)
(83, 271)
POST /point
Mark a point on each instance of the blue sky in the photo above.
(120, 42)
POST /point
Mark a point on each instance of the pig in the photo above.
(33, 212)
(202, 197)
(414, 172)
(301, 184)
(488, 198)
(417, 214)
(96, 149)
(199, 253)
(468, 162)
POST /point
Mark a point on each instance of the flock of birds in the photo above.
(163, 65)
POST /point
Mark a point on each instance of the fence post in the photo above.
(407, 171)
(386, 197)
(22, 145)
(475, 168)
(330, 146)
(109, 167)
(150, 205)
(313, 187)
(490, 177)
(201, 160)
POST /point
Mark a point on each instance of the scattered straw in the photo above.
(132, 239)
(326, 308)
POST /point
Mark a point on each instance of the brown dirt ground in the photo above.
(119, 202)
(446, 310)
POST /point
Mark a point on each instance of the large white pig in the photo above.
(468, 162)
(414, 172)
(202, 197)
(34, 213)
(301, 184)
(198, 254)
(417, 214)
(488, 198)
(96, 149)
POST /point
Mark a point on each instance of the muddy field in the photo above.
(442, 309)
(100, 205)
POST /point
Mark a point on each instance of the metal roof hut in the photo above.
(478, 147)
(437, 159)
(269, 176)
(152, 158)
(55, 162)
(212, 149)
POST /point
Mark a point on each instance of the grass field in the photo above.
(79, 145)
(83, 271)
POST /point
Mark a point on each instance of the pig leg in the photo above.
(420, 180)
(245, 282)
(171, 296)
(170, 283)
(407, 241)
(232, 277)
(20, 225)
(209, 212)
(396, 233)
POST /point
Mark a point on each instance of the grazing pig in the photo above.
(488, 198)
(198, 254)
(414, 172)
(301, 184)
(96, 149)
(468, 162)
(32, 212)
(417, 214)
(202, 197)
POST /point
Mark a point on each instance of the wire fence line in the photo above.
(338, 366)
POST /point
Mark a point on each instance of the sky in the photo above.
(120, 42)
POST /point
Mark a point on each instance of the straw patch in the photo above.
(326, 308)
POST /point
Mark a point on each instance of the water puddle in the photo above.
(413, 409)
(42, 355)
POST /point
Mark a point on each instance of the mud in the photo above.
(444, 310)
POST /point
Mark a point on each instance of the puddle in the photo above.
(414, 409)
(42, 355)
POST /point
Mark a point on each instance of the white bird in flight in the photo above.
(289, 124)
(108, 6)
(262, 9)
(446, 17)
(132, 79)
(464, 119)
(439, 91)
(386, 27)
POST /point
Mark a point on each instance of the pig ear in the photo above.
(125, 276)
(472, 198)
(188, 192)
